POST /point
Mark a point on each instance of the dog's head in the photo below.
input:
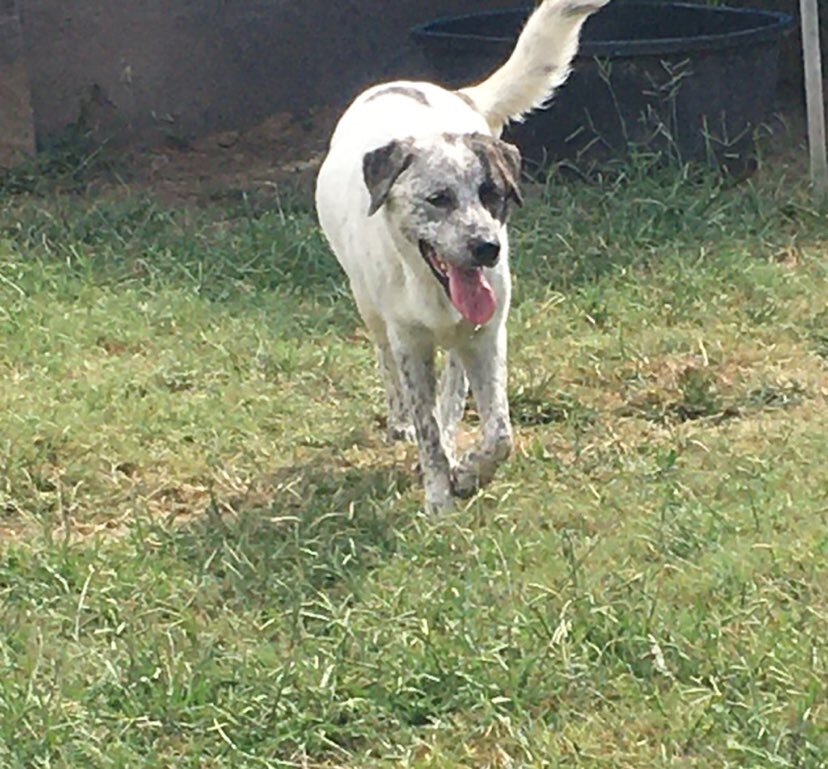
(449, 197)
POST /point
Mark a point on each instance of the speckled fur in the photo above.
(455, 167)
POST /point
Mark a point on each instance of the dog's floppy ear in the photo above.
(504, 158)
(510, 165)
(382, 167)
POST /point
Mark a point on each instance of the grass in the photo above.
(210, 559)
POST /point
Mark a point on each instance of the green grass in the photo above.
(210, 559)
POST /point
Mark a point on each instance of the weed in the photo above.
(65, 164)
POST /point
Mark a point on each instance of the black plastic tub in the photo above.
(692, 82)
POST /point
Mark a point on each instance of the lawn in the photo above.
(209, 558)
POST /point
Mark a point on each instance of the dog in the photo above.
(414, 196)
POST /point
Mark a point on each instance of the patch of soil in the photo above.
(281, 154)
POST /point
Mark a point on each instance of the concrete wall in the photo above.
(140, 69)
(16, 133)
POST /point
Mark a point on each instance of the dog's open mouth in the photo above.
(468, 288)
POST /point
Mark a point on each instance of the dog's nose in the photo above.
(485, 252)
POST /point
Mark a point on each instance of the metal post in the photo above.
(813, 93)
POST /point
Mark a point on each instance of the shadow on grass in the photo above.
(308, 529)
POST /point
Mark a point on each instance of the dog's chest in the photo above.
(417, 300)
(406, 292)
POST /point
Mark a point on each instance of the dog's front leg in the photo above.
(485, 361)
(399, 423)
(414, 354)
(451, 403)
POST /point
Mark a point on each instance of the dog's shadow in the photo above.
(308, 529)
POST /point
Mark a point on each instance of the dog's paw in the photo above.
(439, 508)
(438, 501)
(477, 468)
(465, 480)
(401, 434)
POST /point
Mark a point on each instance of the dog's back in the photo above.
(406, 108)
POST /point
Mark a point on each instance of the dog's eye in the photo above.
(441, 199)
(489, 194)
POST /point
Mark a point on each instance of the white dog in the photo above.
(413, 198)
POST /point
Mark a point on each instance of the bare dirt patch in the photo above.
(280, 155)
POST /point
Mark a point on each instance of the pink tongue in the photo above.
(472, 295)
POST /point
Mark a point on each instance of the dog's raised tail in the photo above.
(539, 64)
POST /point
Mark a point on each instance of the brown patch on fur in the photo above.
(467, 99)
(402, 90)
(501, 162)
(382, 167)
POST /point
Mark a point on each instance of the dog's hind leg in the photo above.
(454, 389)
(414, 355)
(485, 361)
